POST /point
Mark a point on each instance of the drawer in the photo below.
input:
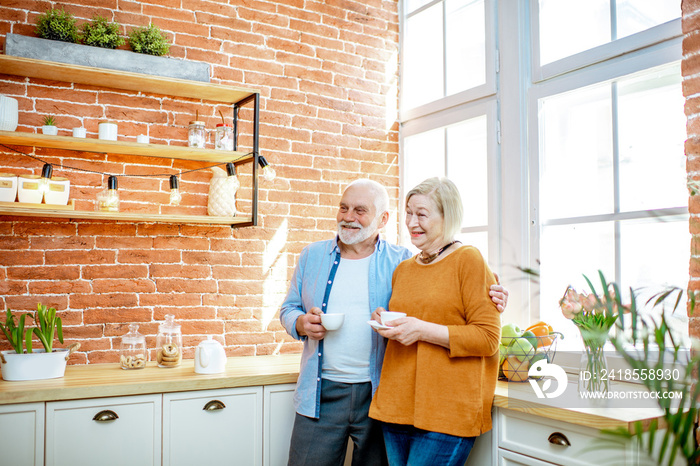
(127, 432)
(530, 435)
(22, 434)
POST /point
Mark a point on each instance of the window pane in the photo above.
(652, 160)
(467, 167)
(424, 157)
(568, 27)
(465, 45)
(415, 4)
(576, 162)
(423, 58)
(637, 15)
(655, 253)
(479, 240)
(567, 254)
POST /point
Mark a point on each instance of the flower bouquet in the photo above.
(593, 315)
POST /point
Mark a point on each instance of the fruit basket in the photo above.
(518, 354)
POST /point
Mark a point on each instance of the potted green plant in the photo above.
(28, 364)
(57, 25)
(49, 126)
(149, 40)
(101, 33)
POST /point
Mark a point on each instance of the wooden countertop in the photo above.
(104, 380)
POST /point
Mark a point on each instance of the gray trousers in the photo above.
(344, 414)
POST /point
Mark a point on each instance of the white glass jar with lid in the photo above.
(169, 343)
(132, 353)
(196, 134)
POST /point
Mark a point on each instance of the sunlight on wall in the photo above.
(275, 263)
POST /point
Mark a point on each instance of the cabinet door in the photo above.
(22, 434)
(278, 421)
(105, 431)
(213, 427)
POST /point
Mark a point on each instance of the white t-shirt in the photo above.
(346, 351)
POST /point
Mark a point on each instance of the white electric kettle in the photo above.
(209, 357)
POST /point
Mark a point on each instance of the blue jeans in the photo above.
(344, 414)
(409, 446)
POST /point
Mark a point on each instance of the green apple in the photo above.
(509, 332)
(530, 337)
(521, 349)
(502, 353)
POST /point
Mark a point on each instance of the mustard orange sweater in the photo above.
(429, 386)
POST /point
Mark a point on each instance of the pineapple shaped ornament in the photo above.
(222, 191)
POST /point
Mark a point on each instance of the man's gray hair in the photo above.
(381, 196)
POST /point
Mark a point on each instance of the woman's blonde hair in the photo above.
(446, 197)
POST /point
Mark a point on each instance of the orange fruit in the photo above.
(515, 370)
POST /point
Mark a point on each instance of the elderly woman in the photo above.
(441, 364)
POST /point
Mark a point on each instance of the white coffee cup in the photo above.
(143, 139)
(332, 321)
(79, 132)
(388, 316)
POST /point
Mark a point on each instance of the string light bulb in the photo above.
(175, 196)
(108, 200)
(46, 173)
(267, 171)
(233, 182)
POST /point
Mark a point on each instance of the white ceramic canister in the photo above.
(57, 191)
(8, 113)
(8, 187)
(29, 189)
(79, 132)
(107, 130)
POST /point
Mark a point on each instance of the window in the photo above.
(562, 124)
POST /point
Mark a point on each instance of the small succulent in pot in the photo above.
(149, 40)
(101, 33)
(49, 125)
(57, 25)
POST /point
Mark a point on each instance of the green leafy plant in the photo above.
(57, 25)
(49, 120)
(47, 325)
(14, 331)
(149, 40)
(101, 33)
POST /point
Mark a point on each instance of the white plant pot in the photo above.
(51, 130)
(8, 113)
(37, 365)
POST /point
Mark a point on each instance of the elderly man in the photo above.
(350, 274)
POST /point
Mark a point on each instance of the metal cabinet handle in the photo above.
(214, 405)
(557, 438)
(106, 415)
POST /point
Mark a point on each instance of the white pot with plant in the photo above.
(27, 364)
(49, 127)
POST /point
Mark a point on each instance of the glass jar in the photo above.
(132, 353)
(169, 343)
(196, 134)
(224, 137)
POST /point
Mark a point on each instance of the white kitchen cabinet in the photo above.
(278, 421)
(508, 458)
(213, 427)
(22, 434)
(105, 431)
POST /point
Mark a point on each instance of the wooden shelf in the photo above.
(122, 147)
(22, 211)
(30, 67)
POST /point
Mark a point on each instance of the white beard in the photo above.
(357, 236)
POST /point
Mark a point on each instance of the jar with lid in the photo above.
(224, 137)
(196, 134)
(169, 343)
(132, 353)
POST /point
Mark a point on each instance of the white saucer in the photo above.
(377, 325)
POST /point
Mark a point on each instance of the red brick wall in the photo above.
(325, 73)
(691, 89)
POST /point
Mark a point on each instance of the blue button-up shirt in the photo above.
(310, 287)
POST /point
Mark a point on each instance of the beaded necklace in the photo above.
(427, 259)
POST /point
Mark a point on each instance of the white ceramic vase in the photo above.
(222, 194)
(8, 113)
